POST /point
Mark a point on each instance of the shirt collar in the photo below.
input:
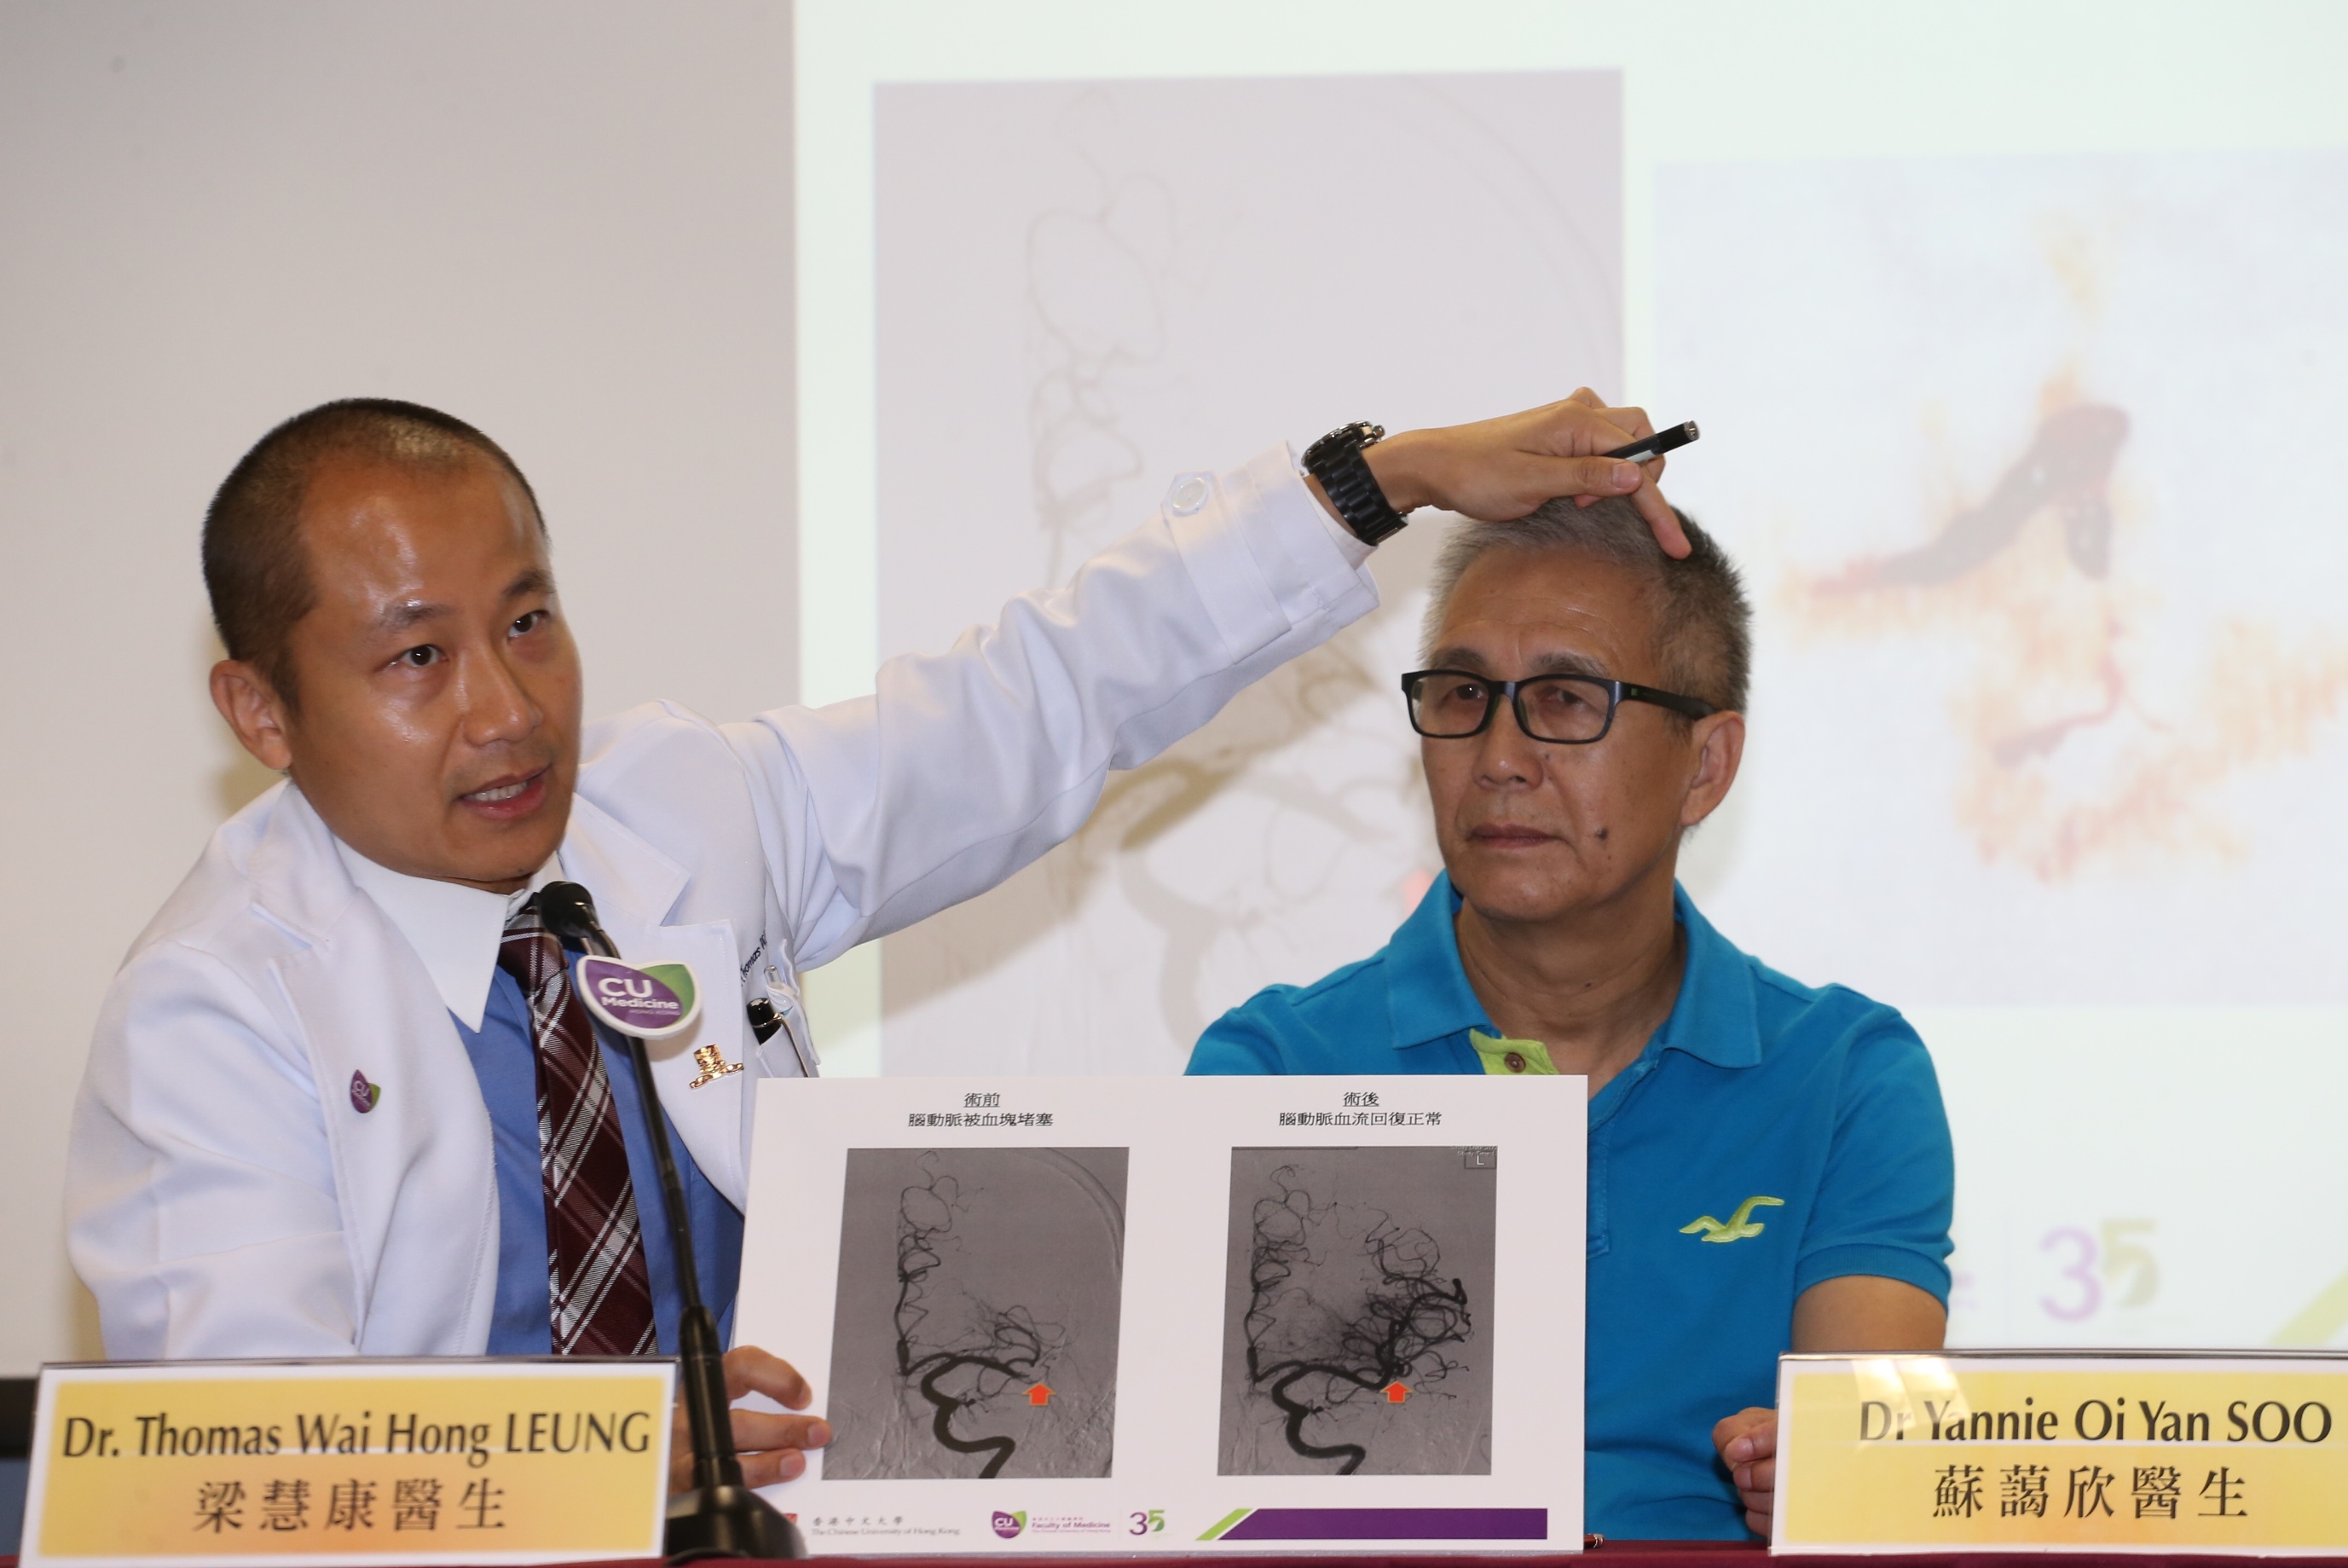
(1714, 1019)
(454, 929)
(1427, 995)
(1428, 998)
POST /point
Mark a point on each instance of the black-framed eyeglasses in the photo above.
(1563, 710)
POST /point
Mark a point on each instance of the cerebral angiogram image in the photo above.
(1356, 1323)
(974, 1331)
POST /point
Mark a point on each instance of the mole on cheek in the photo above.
(1602, 835)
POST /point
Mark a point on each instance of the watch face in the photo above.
(1344, 437)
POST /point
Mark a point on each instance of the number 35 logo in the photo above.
(2118, 1260)
(1148, 1523)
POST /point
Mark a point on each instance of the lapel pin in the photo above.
(365, 1095)
(713, 1065)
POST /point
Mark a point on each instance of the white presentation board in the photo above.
(1177, 1313)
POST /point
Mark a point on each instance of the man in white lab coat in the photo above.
(340, 1099)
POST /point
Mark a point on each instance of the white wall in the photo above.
(568, 222)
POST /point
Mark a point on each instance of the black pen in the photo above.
(1648, 447)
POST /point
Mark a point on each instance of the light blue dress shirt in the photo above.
(506, 1062)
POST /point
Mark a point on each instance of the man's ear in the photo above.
(1719, 742)
(254, 710)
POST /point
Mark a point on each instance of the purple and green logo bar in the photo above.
(1382, 1524)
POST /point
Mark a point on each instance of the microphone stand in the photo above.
(719, 1517)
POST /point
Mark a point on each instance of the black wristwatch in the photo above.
(1336, 461)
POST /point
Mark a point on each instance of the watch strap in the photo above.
(1336, 461)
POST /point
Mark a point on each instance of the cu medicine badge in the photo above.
(2123, 1452)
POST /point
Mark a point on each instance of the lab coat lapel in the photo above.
(414, 1171)
(636, 889)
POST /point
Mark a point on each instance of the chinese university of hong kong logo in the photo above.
(1740, 1225)
(1007, 1525)
(651, 1001)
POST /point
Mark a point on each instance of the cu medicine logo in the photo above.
(1008, 1525)
(634, 992)
(655, 1002)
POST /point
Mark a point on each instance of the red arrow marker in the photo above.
(1040, 1395)
(1396, 1393)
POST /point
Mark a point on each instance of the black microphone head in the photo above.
(569, 911)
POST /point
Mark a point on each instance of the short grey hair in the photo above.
(1703, 624)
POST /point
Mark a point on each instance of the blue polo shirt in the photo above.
(1756, 1087)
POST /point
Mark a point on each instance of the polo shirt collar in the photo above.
(1713, 1019)
(1427, 995)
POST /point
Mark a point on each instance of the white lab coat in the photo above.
(225, 1195)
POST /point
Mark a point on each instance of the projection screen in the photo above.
(2018, 370)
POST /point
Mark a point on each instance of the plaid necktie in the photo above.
(596, 1281)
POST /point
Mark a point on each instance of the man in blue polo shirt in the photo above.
(1769, 1163)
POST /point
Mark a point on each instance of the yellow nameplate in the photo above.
(552, 1460)
(1982, 1451)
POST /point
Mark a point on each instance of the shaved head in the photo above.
(256, 567)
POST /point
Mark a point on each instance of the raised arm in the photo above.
(963, 767)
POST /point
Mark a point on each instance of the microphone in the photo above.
(719, 1517)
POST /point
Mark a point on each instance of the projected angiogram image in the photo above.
(1105, 322)
(2112, 681)
(1357, 1328)
(975, 1327)
(2054, 701)
(2080, 755)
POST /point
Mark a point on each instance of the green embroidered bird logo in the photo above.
(1740, 1225)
